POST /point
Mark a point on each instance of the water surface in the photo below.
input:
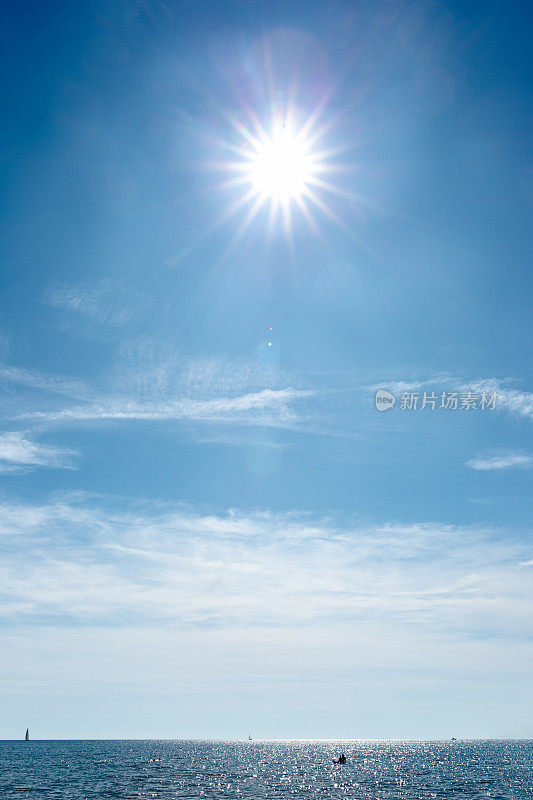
(300, 770)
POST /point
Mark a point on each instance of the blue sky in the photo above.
(207, 527)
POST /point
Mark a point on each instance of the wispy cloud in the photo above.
(397, 387)
(514, 401)
(147, 381)
(87, 563)
(42, 382)
(498, 462)
(520, 403)
(147, 369)
(268, 408)
(19, 453)
(103, 302)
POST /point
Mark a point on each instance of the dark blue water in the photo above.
(303, 769)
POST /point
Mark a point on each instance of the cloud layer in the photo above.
(80, 562)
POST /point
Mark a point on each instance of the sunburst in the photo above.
(280, 166)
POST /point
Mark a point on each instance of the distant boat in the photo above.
(249, 737)
(27, 737)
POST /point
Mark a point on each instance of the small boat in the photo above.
(27, 737)
(249, 737)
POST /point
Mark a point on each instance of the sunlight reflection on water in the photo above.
(380, 770)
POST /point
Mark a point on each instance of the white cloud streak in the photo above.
(269, 408)
(20, 453)
(150, 382)
(499, 462)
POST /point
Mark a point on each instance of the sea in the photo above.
(300, 770)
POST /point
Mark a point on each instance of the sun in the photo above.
(281, 167)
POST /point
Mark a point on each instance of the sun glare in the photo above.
(281, 167)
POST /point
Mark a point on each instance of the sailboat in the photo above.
(27, 737)
(249, 737)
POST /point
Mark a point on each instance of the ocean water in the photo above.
(301, 770)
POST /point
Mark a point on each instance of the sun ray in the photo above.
(284, 165)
